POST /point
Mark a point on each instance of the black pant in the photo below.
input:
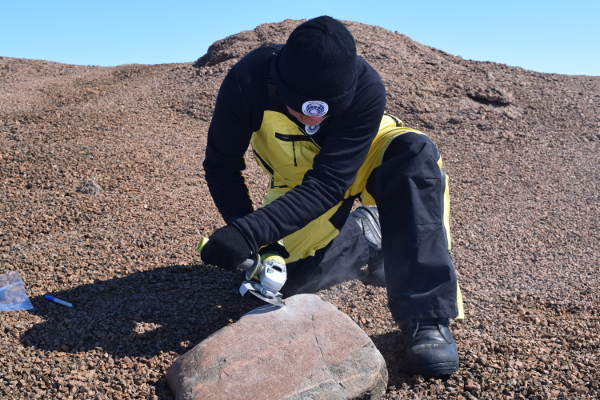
(408, 188)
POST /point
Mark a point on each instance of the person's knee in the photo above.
(410, 161)
(409, 145)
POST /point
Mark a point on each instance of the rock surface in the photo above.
(308, 349)
(89, 186)
(520, 147)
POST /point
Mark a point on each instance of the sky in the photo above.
(544, 36)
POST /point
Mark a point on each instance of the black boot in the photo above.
(368, 219)
(430, 347)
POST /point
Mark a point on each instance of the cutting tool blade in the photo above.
(259, 291)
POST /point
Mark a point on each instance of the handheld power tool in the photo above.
(265, 275)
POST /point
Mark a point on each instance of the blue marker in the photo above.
(59, 301)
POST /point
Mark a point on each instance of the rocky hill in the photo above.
(521, 149)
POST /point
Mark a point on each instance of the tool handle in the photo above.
(247, 265)
(272, 256)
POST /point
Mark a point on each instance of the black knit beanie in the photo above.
(315, 71)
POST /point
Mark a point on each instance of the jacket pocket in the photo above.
(293, 139)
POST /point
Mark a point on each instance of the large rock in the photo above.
(306, 350)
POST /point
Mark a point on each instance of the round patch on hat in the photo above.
(311, 130)
(315, 108)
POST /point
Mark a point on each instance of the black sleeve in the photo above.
(238, 112)
(343, 151)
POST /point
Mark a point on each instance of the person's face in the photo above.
(306, 119)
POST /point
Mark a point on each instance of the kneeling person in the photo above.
(313, 112)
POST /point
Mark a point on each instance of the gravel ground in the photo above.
(520, 147)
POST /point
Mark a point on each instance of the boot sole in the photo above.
(435, 370)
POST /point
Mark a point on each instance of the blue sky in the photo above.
(545, 36)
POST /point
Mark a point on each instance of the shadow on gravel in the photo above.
(141, 315)
(391, 348)
(166, 309)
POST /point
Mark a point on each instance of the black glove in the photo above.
(226, 248)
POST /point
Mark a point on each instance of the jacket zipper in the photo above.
(263, 162)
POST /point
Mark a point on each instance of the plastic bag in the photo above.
(13, 296)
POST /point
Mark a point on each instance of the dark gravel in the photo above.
(103, 200)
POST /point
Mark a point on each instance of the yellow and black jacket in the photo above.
(317, 174)
(315, 171)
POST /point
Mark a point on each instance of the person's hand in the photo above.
(226, 248)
